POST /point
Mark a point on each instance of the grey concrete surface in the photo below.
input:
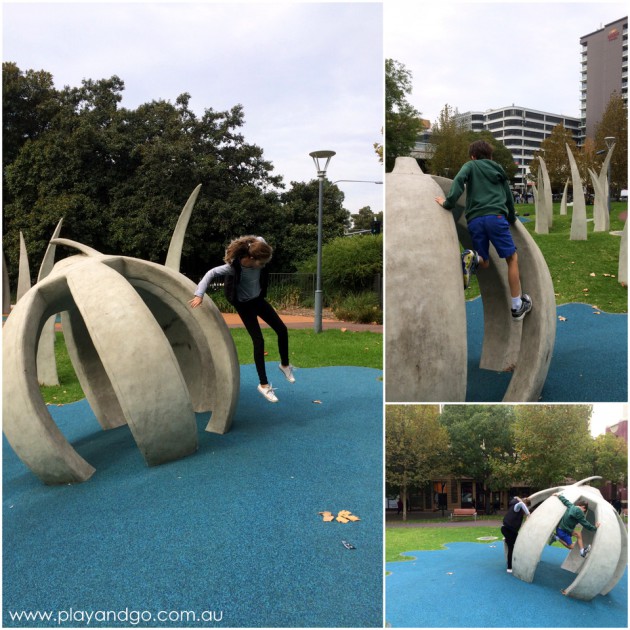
(622, 272)
(424, 302)
(24, 271)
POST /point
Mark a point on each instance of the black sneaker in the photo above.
(470, 261)
(526, 306)
(585, 551)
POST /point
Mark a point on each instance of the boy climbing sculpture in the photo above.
(575, 514)
(489, 213)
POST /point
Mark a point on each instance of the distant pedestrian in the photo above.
(246, 282)
(512, 521)
(400, 506)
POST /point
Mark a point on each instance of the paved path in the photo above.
(301, 321)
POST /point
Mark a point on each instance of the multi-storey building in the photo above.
(604, 70)
(521, 129)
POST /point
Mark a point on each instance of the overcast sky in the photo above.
(605, 415)
(309, 76)
(478, 56)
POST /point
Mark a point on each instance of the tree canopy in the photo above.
(402, 119)
(119, 177)
(614, 124)
(416, 445)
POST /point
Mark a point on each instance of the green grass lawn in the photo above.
(307, 349)
(405, 539)
(582, 271)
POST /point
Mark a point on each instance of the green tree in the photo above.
(402, 119)
(552, 443)
(480, 440)
(120, 178)
(416, 446)
(553, 150)
(614, 124)
(610, 458)
(297, 240)
(450, 141)
(363, 219)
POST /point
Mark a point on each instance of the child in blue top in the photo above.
(489, 213)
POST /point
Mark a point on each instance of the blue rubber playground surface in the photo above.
(229, 536)
(589, 362)
(467, 586)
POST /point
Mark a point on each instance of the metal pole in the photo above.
(317, 324)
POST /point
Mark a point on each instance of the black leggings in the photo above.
(249, 313)
(510, 538)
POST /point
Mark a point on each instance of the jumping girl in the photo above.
(246, 282)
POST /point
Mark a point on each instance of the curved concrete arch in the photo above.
(622, 271)
(46, 363)
(6, 289)
(424, 304)
(114, 311)
(503, 349)
(600, 571)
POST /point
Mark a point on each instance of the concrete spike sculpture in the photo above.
(46, 362)
(142, 356)
(542, 222)
(563, 201)
(604, 566)
(6, 289)
(174, 255)
(24, 271)
(425, 306)
(546, 192)
(601, 218)
(578, 219)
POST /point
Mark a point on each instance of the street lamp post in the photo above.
(321, 174)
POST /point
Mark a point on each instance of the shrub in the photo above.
(348, 263)
(362, 308)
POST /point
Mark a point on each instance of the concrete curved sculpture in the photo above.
(6, 289)
(578, 218)
(142, 356)
(604, 566)
(46, 362)
(425, 306)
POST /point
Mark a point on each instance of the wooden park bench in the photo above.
(462, 512)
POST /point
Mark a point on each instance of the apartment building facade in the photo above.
(520, 129)
(604, 70)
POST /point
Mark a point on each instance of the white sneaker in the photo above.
(268, 392)
(585, 551)
(509, 570)
(288, 372)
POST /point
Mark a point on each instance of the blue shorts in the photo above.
(493, 229)
(564, 536)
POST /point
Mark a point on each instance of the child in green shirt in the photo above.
(489, 213)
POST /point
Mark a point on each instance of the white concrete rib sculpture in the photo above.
(578, 218)
(602, 568)
(142, 355)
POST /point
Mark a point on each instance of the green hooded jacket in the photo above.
(487, 190)
(572, 517)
